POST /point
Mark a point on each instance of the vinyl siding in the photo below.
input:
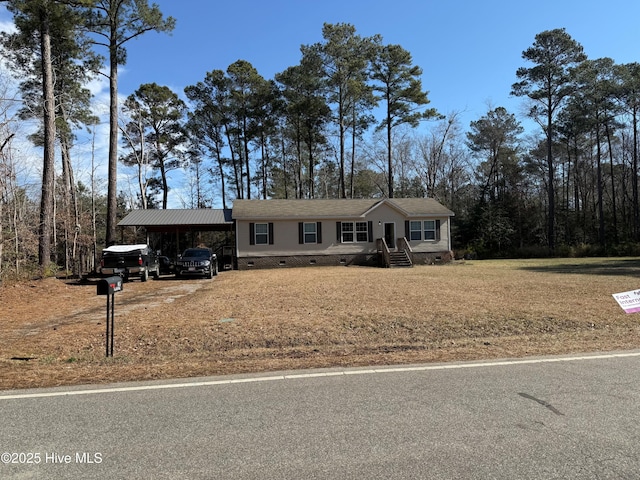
(286, 234)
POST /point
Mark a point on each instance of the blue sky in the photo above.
(469, 50)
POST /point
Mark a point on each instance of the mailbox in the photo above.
(109, 285)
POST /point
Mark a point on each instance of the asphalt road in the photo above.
(550, 418)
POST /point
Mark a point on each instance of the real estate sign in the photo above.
(629, 301)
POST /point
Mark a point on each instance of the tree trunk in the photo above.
(634, 184)
(94, 229)
(343, 192)
(265, 160)
(245, 142)
(299, 184)
(613, 187)
(311, 192)
(6, 173)
(389, 161)
(599, 188)
(163, 178)
(46, 201)
(352, 171)
(221, 170)
(237, 175)
(285, 173)
(72, 195)
(551, 232)
(112, 189)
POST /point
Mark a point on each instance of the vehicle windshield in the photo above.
(196, 253)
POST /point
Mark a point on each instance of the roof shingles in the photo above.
(328, 208)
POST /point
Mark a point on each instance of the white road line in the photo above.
(296, 376)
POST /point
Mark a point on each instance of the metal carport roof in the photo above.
(180, 219)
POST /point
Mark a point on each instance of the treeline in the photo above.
(351, 120)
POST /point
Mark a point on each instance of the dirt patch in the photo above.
(53, 330)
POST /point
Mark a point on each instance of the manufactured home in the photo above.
(293, 233)
(384, 232)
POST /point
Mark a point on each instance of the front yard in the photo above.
(266, 320)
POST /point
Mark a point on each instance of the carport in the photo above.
(177, 221)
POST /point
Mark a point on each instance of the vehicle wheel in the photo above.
(145, 275)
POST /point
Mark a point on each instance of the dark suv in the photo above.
(199, 261)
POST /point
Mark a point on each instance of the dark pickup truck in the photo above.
(130, 261)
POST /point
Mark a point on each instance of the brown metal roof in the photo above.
(330, 208)
(177, 217)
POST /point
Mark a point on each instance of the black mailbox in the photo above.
(109, 285)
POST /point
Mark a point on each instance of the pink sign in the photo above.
(629, 301)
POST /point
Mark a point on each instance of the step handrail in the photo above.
(383, 249)
(404, 245)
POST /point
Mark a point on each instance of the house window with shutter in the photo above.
(429, 229)
(310, 233)
(262, 233)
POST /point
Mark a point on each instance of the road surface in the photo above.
(545, 418)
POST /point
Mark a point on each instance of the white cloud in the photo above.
(90, 154)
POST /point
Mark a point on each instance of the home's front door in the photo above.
(390, 234)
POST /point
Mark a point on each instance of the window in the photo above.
(362, 232)
(347, 232)
(429, 230)
(310, 233)
(350, 232)
(262, 233)
(415, 230)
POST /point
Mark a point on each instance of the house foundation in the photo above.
(295, 261)
(367, 260)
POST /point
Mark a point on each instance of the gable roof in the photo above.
(334, 208)
(177, 217)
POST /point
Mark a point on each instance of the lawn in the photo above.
(266, 320)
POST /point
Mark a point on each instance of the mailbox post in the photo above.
(109, 286)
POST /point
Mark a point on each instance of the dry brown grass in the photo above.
(284, 319)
